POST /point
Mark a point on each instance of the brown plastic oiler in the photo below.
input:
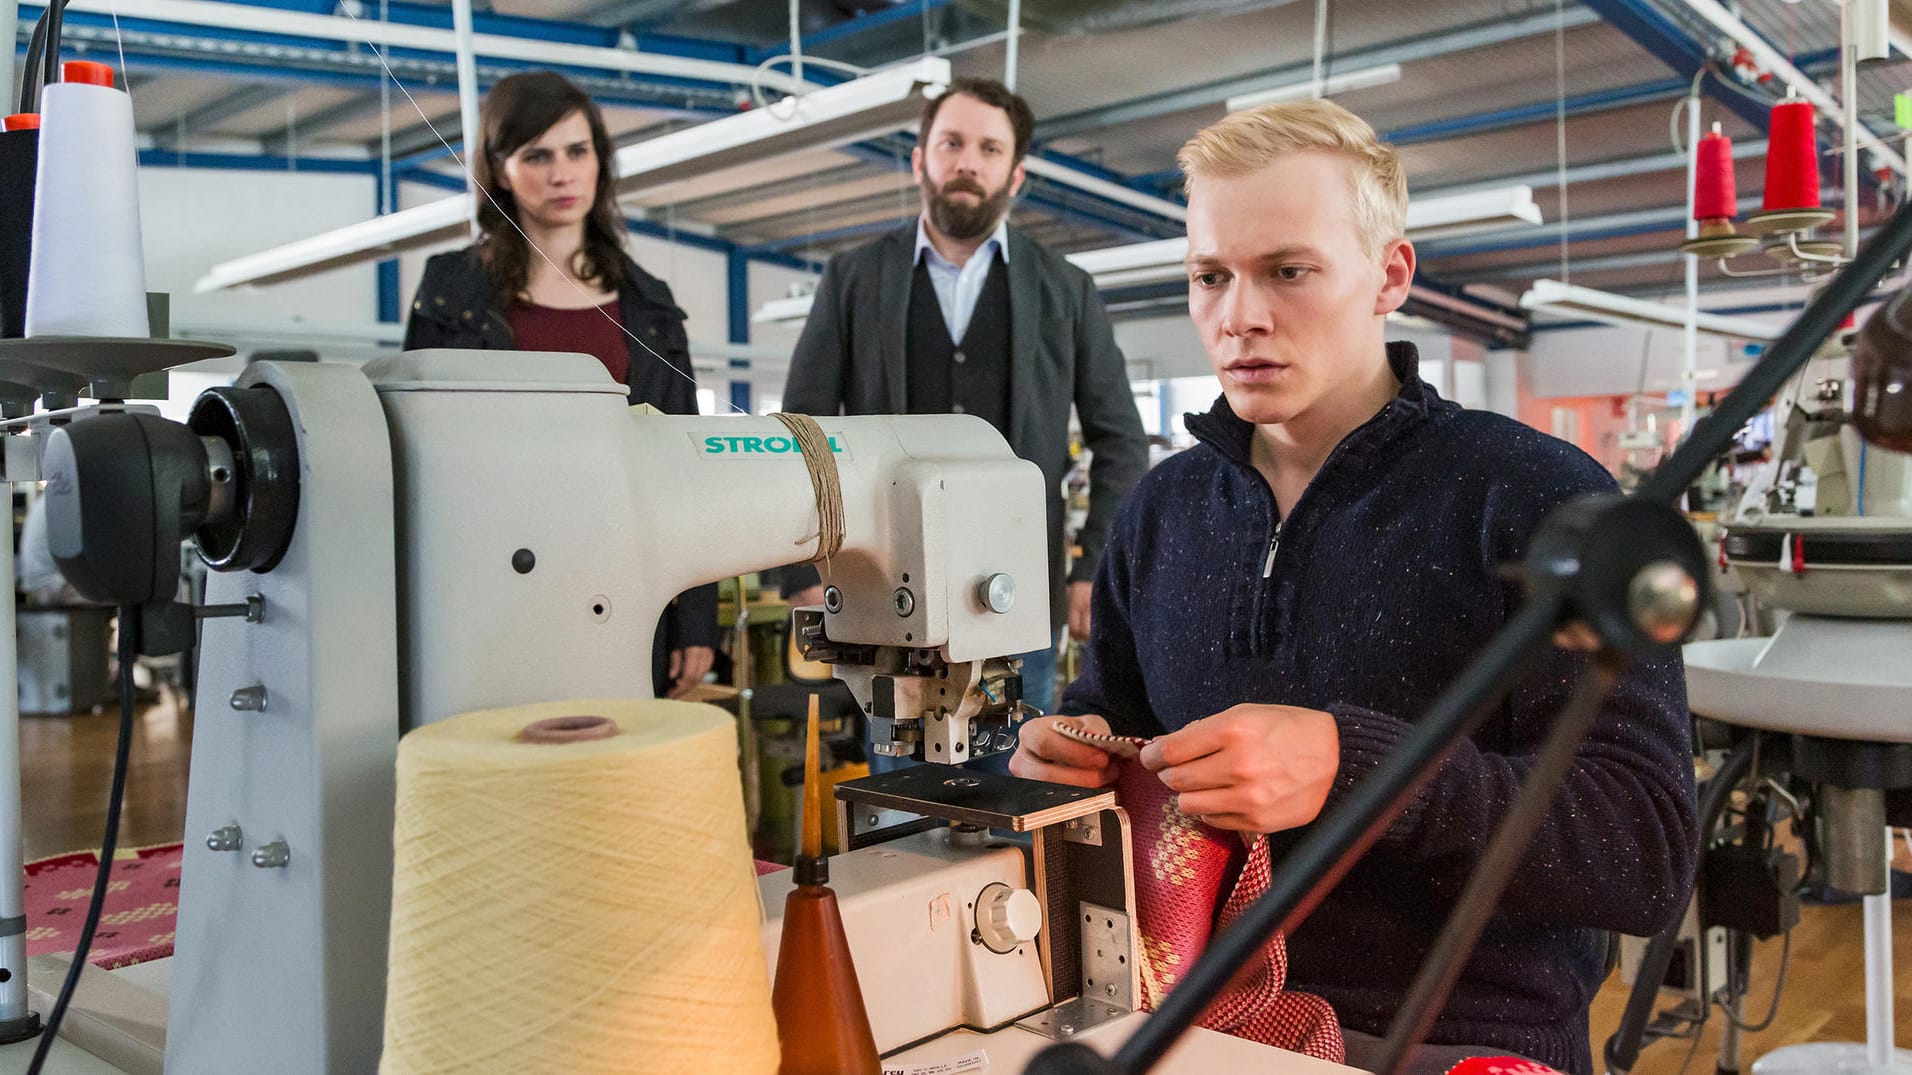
(821, 1021)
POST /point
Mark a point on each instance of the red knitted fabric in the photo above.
(1180, 868)
(1499, 1065)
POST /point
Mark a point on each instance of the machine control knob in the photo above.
(1007, 917)
(998, 593)
(225, 838)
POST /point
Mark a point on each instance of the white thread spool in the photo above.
(576, 904)
(88, 272)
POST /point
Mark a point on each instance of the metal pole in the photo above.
(467, 98)
(1849, 109)
(13, 907)
(1690, 337)
(1010, 49)
(1880, 1048)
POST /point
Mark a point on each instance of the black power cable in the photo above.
(30, 70)
(43, 56)
(128, 654)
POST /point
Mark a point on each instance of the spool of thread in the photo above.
(19, 159)
(87, 276)
(1714, 194)
(1792, 159)
(581, 905)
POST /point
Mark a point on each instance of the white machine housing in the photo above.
(423, 476)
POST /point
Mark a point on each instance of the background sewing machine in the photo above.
(447, 531)
(1824, 531)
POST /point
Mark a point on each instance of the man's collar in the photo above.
(1000, 237)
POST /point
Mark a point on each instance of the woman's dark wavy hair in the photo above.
(516, 111)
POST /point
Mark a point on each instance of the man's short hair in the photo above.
(992, 93)
(1252, 139)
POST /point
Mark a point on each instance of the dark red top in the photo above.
(593, 330)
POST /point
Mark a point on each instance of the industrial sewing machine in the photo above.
(533, 529)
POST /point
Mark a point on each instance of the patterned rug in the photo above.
(142, 905)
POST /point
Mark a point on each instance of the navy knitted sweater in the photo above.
(1382, 587)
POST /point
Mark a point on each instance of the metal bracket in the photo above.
(1108, 953)
(1083, 830)
(1108, 976)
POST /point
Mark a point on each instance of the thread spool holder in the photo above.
(61, 368)
(1792, 246)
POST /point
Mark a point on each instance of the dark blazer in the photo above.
(850, 360)
(454, 308)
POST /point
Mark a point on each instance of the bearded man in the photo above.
(961, 313)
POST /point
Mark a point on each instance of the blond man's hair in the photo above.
(1250, 140)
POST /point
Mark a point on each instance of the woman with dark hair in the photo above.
(550, 274)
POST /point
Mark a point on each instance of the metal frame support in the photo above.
(391, 307)
(737, 292)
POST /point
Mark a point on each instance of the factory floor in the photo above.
(67, 764)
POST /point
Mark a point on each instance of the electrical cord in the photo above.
(29, 80)
(1721, 997)
(128, 654)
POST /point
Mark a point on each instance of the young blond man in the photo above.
(1278, 605)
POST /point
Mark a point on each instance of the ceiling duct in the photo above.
(1103, 16)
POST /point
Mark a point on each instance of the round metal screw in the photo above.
(905, 601)
(832, 600)
(1663, 600)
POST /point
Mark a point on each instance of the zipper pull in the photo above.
(1274, 542)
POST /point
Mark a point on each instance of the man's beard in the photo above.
(960, 220)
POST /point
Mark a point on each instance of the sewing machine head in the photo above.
(920, 704)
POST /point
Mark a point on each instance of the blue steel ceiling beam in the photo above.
(336, 53)
(1479, 35)
(861, 24)
(1673, 46)
(1500, 119)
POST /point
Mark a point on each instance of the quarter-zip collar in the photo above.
(1232, 436)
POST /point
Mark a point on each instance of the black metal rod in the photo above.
(1480, 899)
(1336, 841)
(1623, 1048)
(1794, 347)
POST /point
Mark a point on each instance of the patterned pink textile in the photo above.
(1181, 865)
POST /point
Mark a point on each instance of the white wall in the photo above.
(191, 218)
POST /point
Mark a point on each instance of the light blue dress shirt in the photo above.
(957, 289)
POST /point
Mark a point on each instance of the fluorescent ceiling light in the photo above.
(876, 104)
(1366, 78)
(1114, 192)
(1567, 300)
(1163, 260)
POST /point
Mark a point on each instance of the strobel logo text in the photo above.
(759, 446)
